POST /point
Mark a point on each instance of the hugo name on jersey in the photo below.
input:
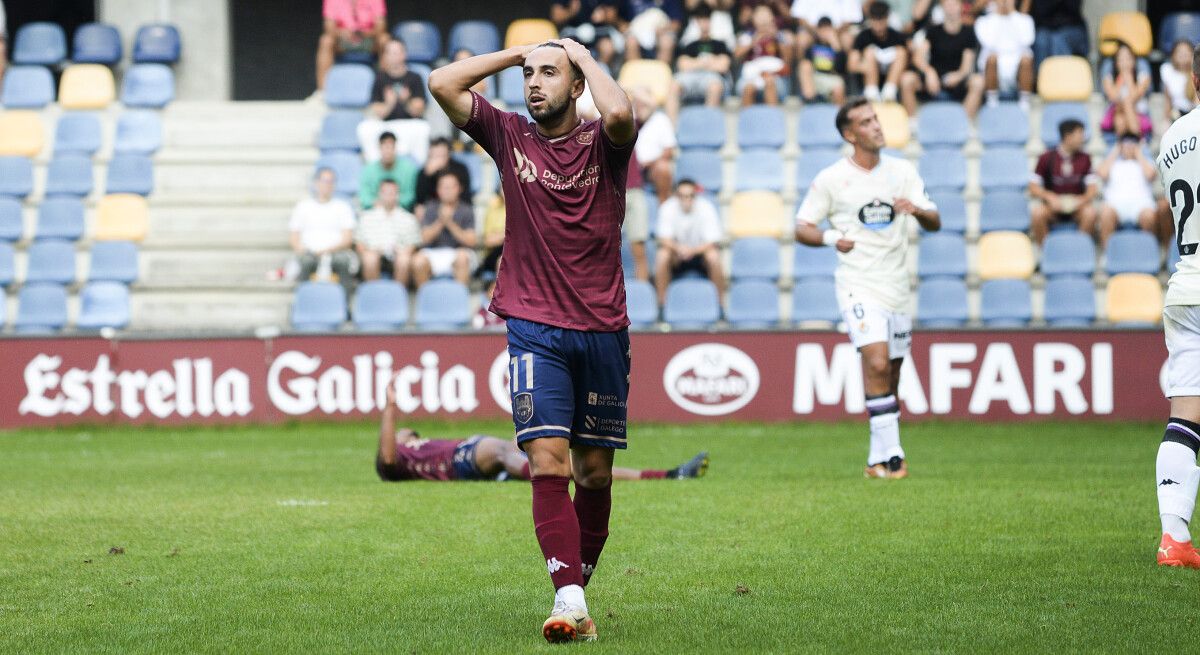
(1179, 168)
(859, 204)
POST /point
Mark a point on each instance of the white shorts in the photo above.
(870, 324)
(1128, 208)
(1181, 325)
(441, 260)
(636, 228)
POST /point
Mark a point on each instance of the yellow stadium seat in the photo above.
(1065, 79)
(649, 73)
(757, 214)
(21, 133)
(121, 217)
(1132, 27)
(1134, 298)
(894, 120)
(1005, 256)
(86, 86)
(527, 31)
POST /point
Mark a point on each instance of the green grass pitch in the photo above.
(1007, 538)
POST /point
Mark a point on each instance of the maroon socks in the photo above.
(592, 507)
(650, 474)
(557, 529)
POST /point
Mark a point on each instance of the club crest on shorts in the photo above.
(523, 407)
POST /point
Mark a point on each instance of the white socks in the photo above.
(871, 93)
(889, 92)
(571, 595)
(1177, 477)
(885, 429)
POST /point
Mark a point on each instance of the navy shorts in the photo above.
(465, 467)
(568, 383)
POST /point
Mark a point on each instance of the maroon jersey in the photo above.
(565, 202)
(423, 459)
(1060, 173)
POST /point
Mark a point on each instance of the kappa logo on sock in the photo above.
(588, 570)
(553, 565)
(1167, 482)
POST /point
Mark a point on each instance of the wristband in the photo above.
(831, 237)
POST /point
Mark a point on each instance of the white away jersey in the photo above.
(1179, 169)
(858, 203)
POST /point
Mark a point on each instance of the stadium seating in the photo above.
(1064, 78)
(148, 85)
(1003, 168)
(759, 170)
(41, 307)
(1068, 253)
(754, 258)
(1131, 27)
(348, 86)
(943, 169)
(474, 167)
(96, 43)
(380, 305)
(1132, 251)
(27, 87)
(817, 127)
(953, 210)
(529, 31)
(1070, 301)
(942, 303)
(103, 305)
(347, 166)
(627, 257)
(121, 217)
(8, 267)
(1176, 26)
(40, 44)
(814, 303)
(813, 261)
(943, 124)
(812, 162)
(1005, 303)
(16, 176)
(701, 166)
(1004, 210)
(131, 174)
(692, 304)
(894, 120)
(1004, 124)
(12, 225)
(940, 255)
(69, 175)
(1134, 299)
(512, 87)
(86, 86)
(701, 127)
(114, 261)
(443, 305)
(21, 134)
(156, 44)
(339, 131)
(1005, 255)
(642, 303)
(318, 307)
(760, 126)
(51, 261)
(753, 304)
(756, 214)
(138, 133)
(1054, 113)
(77, 133)
(60, 218)
(651, 74)
(422, 37)
(477, 36)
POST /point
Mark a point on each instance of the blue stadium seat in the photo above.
(692, 304)
(642, 303)
(346, 165)
(815, 300)
(339, 131)
(627, 257)
(318, 307)
(1132, 251)
(156, 44)
(812, 162)
(942, 303)
(478, 36)
(703, 166)
(701, 127)
(1005, 303)
(1181, 25)
(380, 305)
(77, 133)
(16, 176)
(51, 261)
(761, 126)
(953, 210)
(943, 169)
(8, 268)
(40, 44)
(1004, 210)
(943, 124)
(27, 87)
(755, 258)
(512, 87)
(942, 255)
(69, 175)
(813, 262)
(1068, 253)
(422, 37)
(138, 133)
(817, 128)
(1003, 168)
(96, 43)
(41, 307)
(422, 71)
(1070, 301)
(1054, 113)
(148, 85)
(753, 304)
(131, 174)
(12, 226)
(348, 86)
(1004, 124)
(443, 305)
(474, 167)
(60, 218)
(114, 261)
(759, 170)
(103, 305)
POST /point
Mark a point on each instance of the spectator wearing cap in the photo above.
(400, 170)
(351, 26)
(1063, 184)
(397, 106)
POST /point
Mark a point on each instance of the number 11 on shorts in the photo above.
(514, 373)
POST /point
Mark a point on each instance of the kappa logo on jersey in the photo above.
(553, 565)
(877, 214)
(525, 169)
(523, 407)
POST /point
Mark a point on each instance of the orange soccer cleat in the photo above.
(1177, 553)
(568, 624)
(876, 471)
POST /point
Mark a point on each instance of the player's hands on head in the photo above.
(575, 50)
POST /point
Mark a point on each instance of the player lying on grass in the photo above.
(404, 455)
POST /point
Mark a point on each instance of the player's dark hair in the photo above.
(575, 70)
(317, 175)
(390, 181)
(440, 141)
(843, 116)
(437, 178)
(1068, 126)
(685, 181)
(878, 9)
(702, 11)
(398, 40)
(387, 136)
(824, 22)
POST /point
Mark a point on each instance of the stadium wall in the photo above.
(204, 69)
(679, 377)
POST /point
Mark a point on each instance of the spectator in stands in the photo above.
(387, 236)
(1005, 52)
(493, 237)
(397, 106)
(651, 26)
(879, 54)
(322, 231)
(843, 15)
(944, 64)
(484, 86)
(439, 160)
(1128, 176)
(1126, 89)
(1060, 28)
(636, 229)
(764, 53)
(400, 170)
(593, 23)
(721, 25)
(655, 147)
(448, 234)
(3, 40)
(703, 68)
(780, 8)
(1176, 75)
(1063, 184)
(689, 236)
(351, 26)
(823, 66)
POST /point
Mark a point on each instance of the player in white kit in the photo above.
(1176, 473)
(871, 201)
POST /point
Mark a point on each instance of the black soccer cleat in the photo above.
(694, 468)
(897, 468)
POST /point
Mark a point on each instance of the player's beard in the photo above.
(551, 112)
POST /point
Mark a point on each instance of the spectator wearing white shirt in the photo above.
(844, 15)
(689, 234)
(1006, 52)
(1176, 75)
(322, 230)
(387, 235)
(1128, 193)
(655, 146)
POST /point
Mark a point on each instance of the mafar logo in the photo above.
(711, 379)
